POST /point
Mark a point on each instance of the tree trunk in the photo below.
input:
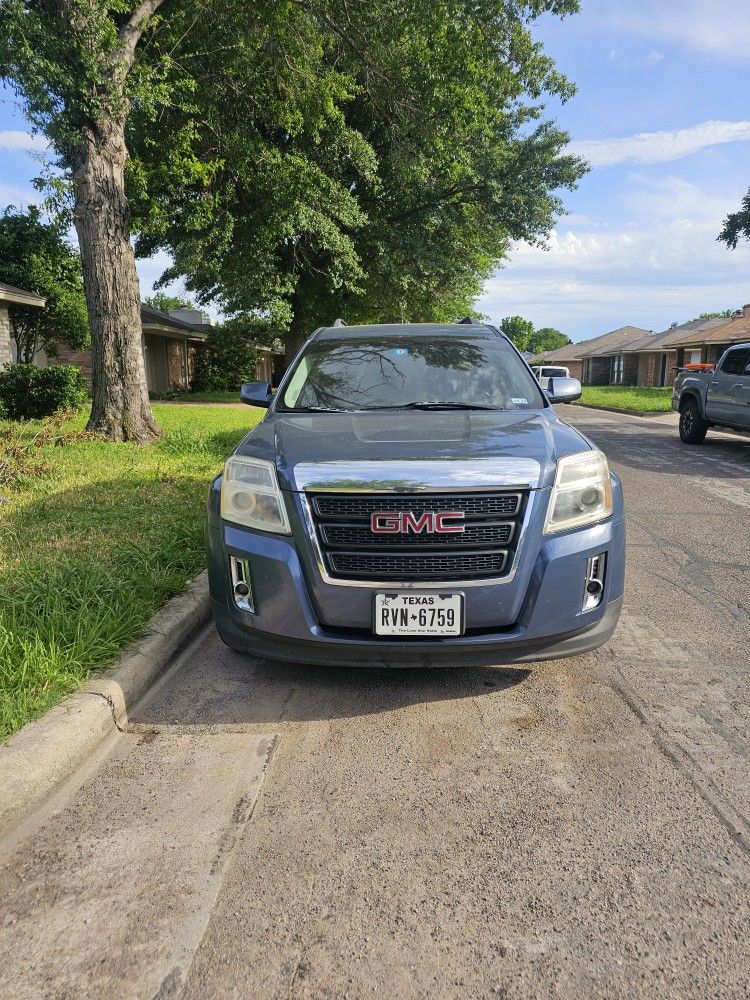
(121, 408)
(298, 331)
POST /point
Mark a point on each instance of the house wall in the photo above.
(165, 358)
(630, 369)
(5, 355)
(646, 368)
(649, 368)
(671, 367)
(176, 364)
(65, 356)
(264, 367)
(598, 371)
(575, 368)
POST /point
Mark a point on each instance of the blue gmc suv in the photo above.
(411, 498)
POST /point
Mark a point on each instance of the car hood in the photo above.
(414, 449)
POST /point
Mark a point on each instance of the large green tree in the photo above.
(36, 255)
(737, 225)
(519, 330)
(165, 302)
(293, 156)
(546, 338)
(388, 188)
(83, 68)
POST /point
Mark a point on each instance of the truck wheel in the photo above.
(692, 425)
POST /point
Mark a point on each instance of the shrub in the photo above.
(28, 392)
(228, 360)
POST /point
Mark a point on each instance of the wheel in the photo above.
(692, 425)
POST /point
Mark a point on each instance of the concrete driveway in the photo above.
(578, 829)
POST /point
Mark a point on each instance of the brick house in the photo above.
(171, 343)
(10, 296)
(567, 357)
(658, 355)
(633, 356)
(601, 360)
(707, 343)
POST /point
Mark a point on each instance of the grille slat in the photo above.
(359, 536)
(359, 506)
(418, 565)
(484, 550)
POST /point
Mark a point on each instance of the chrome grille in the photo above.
(357, 506)
(484, 549)
(359, 536)
(417, 565)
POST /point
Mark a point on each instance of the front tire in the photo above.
(693, 427)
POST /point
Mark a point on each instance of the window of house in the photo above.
(693, 357)
(616, 370)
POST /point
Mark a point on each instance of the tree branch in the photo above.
(130, 33)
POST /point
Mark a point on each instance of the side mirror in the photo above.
(563, 390)
(256, 393)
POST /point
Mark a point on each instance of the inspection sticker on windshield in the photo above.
(419, 614)
(520, 401)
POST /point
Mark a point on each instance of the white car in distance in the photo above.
(544, 373)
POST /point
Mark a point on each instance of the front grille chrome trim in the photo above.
(396, 585)
(418, 475)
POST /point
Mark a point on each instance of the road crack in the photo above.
(734, 822)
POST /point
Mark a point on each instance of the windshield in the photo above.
(554, 372)
(411, 371)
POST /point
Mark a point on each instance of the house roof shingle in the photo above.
(720, 331)
(668, 339)
(9, 293)
(608, 343)
(155, 319)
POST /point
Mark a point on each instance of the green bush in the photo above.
(28, 392)
(228, 360)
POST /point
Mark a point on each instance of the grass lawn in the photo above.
(95, 544)
(642, 399)
(197, 397)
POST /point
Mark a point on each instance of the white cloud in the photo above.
(652, 58)
(12, 195)
(14, 139)
(664, 264)
(717, 28)
(655, 147)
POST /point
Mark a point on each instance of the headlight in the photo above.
(250, 495)
(582, 493)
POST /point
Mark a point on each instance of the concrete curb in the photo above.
(42, 755)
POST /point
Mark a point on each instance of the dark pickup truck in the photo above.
(719, 397)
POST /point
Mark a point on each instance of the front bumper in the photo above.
(324, 648)
(539, 613)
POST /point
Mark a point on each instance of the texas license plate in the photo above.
(419, 614)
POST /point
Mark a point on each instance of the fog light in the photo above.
(593, 590)
(242, 592)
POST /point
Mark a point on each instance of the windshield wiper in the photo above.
(313, 409)
(435, 404)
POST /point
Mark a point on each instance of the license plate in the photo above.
(419, 614)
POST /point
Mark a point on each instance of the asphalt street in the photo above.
(578, 829)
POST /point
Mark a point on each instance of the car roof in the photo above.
(474, 331)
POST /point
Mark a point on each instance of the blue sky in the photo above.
(662, 115)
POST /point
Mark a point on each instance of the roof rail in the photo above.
(340, 322)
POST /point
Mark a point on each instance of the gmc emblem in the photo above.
(387, 523)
